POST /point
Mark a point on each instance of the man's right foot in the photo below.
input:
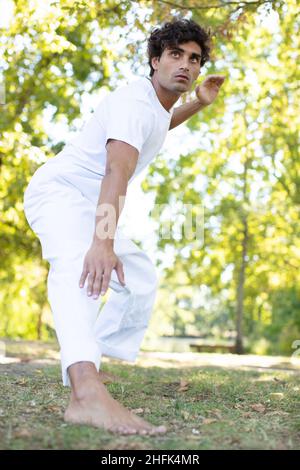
(96, 407)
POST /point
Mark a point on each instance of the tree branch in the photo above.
(222, 4)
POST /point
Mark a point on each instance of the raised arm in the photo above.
(206, 93)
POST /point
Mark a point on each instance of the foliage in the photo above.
(244, 169)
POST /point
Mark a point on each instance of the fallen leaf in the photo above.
(258, 407)
(216, 412)
(235, 440)
(21, 382)
(185, 415)
(184, 385)
(247, 414)
(238, 406)
(209, 421)
(276, 396)
(138, 411)
(22, 433)
(53, 408)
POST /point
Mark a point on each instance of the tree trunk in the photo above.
(239, 348)
(39, 323)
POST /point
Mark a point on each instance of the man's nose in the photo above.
(184, 68)
(185, 64)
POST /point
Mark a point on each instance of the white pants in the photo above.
(64, 220)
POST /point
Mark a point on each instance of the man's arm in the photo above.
(100, 260)
(184, 112)
(120, 165)
(206, 93)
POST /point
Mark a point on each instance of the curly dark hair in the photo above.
(175, 32)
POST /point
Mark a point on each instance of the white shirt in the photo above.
(131, 113)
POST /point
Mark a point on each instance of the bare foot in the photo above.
(96, 407)
(107, 377)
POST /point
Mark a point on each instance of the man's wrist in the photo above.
(200, 104)
(105, 242)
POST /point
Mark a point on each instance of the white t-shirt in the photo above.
(131, 113)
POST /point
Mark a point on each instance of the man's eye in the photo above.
(175, 53)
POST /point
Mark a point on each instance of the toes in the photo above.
(158, 430)
(161, 429)
(126, 430)
(148, 428)
(121, 430)
(131, 431)
(152, 431)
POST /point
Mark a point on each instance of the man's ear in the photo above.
(154, 62)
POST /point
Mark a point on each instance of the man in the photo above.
(78, 230)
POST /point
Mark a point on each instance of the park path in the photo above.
(21, 355)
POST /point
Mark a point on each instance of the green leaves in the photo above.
(243, 169)
(249, 173)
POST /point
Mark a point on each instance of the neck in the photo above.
(166, 97)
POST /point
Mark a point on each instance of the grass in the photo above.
(203, 408)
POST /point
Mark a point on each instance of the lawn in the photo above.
(204, 406)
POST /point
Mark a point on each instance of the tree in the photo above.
(247, 185)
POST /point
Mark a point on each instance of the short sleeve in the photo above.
(129, 120)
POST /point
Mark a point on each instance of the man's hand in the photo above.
(99, 262)
(208, 90)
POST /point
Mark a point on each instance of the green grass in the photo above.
(216, 409)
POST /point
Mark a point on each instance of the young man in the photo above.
(78, 230)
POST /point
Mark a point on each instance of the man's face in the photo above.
(175, 63)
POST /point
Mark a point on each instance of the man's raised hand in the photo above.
(208, 90)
